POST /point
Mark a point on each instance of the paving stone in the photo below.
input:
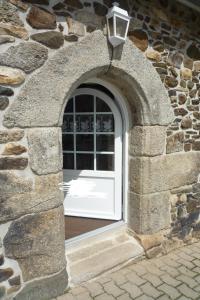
(153, 269)
(158, 262)
(196, 262)
(140, 270)
(104, 297)
(197, 289)
(172, 271)
(187, 272)
(164, 297)
(84, 296)
(170, 262)
(196, 270)
(103, 279)
(125, 271)
(132, 277)
(170, 280)
(149, 290)
(185, 256)
(188, 292)
(94, 288)
(186, 279)
(145, 297)
(153, 279)
(174, 256)
(186, 250)
(196, 255)
(124, 297)
(197, 278)
(186, 263)
(132, 289)
(169, 290)
(195, 248)
(78, 290)
(112, 289)
(118, 278)
(67, 296)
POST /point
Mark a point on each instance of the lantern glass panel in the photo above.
(111, 26)
(121, 25)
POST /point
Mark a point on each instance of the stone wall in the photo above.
(31, 225)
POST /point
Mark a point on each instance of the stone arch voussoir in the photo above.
(45, 92)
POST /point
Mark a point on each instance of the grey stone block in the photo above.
(13, 135)
(147, 140)
(44, 288)
(163, 173)
(11, 76)
(16, 202)
(11, 183)
(148, 214)
(9, 13)
(45, 150)
(25, 56)
(37, 242)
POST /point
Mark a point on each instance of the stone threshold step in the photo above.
(101, 253)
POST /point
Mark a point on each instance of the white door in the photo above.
(92, 156)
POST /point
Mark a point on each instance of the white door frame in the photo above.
(118, 157)
(126, 125)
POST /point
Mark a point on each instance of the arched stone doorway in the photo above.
(92, 160)
(40, 105)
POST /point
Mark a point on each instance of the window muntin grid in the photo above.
(88, 126)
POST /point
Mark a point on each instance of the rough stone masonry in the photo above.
(32, 32)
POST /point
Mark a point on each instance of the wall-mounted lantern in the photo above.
(118, 22)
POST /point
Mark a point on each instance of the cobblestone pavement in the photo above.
(173, 276)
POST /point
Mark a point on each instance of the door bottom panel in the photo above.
(75, 226)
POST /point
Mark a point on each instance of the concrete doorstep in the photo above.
(96, 255)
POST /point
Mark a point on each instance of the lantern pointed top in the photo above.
(115, 4)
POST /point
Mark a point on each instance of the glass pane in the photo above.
(68, 142)
(105, 162)
(68, 123)
(110, 24)
(68, 161)
(85, 161)
(105, 142)
(84, 103)
(121, 27)
(69, 106)
(102, 106)
(84, 123)
(84, 142)
(105, 123)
